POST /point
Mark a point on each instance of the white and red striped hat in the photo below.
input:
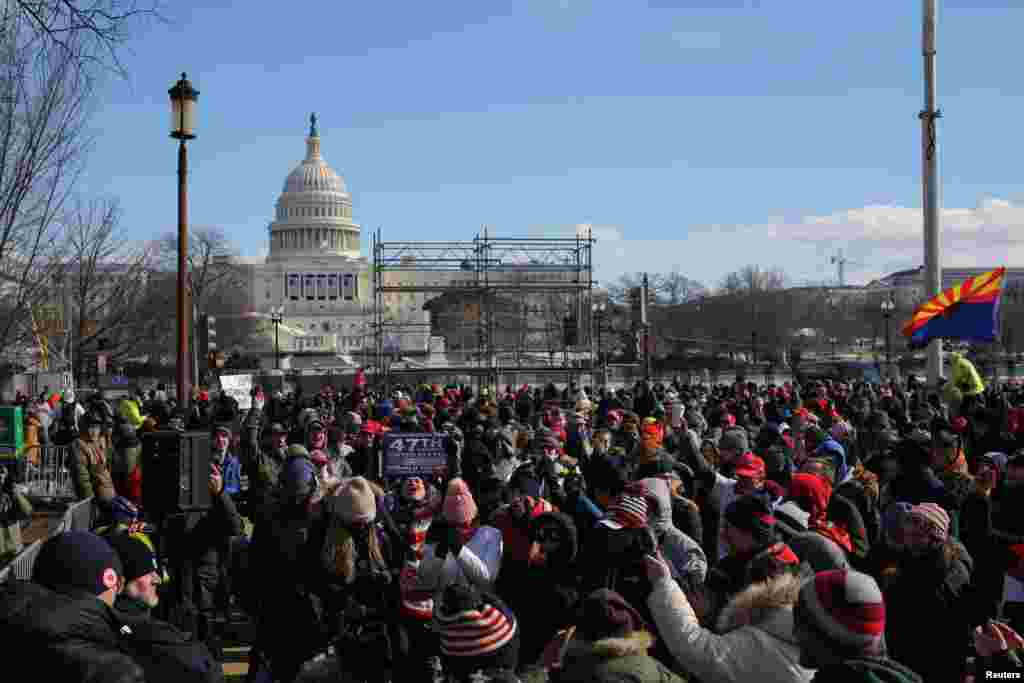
(470, 625)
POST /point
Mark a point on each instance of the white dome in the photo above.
(313, 215)
(314, 176)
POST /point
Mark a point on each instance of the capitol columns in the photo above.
(183, 106)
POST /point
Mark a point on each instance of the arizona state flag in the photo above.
(968, 311)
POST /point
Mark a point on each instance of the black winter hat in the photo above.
(136, 557)
(77, 559)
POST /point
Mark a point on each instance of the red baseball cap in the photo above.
(749, 465)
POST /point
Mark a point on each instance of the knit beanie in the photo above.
(137, 558)
(847, 609)
(934, 517)
(629, 510)
(357, 502)
(459, 507)
(734, 439)
(77, 559)
(894, 519)
(298, 477)
(606, 614)
(471, 624)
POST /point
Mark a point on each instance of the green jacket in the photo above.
(611, 660)
(14, 508)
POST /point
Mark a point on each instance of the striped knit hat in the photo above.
(846, 608)
(629, 510)
(934, 517)
(472, 625)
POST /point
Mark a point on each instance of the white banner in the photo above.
(238, 387)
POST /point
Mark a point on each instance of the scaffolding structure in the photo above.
(509, 296)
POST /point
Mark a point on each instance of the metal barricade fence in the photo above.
(50, 478)
(79, 516)
(21, 566)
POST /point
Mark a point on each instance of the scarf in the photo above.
(814, 493)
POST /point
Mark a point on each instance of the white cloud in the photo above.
(876, 239)
(991, 233)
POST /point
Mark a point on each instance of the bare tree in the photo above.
(51, 55)
(43, 108)
(212, 263)
(106, 272)
(618, 290)
(90, 33)
(674, 288)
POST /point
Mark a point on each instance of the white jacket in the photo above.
(764, 651)
(477, 564)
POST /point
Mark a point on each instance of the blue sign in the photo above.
(408, 454)
(119, 380)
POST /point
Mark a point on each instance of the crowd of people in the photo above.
(818, 531)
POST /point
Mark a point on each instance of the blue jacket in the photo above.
(231, 472)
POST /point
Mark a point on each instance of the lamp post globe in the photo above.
(184, 100)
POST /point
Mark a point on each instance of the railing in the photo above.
(21, 566)
(50, 479)
(78, 516)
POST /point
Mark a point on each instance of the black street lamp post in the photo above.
(833, 341)
(600, 310)
(183, 108)
(277, 317)
(888, 306)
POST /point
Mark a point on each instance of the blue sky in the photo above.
(694, 135)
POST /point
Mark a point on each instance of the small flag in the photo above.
(968, 311)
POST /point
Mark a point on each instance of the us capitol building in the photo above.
(316, 275)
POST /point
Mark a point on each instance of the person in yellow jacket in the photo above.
(131, 411)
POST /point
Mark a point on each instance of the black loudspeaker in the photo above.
(175, 472)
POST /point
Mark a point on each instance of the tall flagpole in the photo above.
(930, 183)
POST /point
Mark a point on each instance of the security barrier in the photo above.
(21, 566)
(78, 516)
(50, 479)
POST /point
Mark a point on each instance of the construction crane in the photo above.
(840, 261)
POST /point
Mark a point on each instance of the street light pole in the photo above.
(834, 341)
(930, 181)
(183, 101)
(276, 317)
(888, 305)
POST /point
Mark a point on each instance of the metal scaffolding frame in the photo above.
(494, 275)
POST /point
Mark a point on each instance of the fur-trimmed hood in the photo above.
(768, 605)
(635, 644)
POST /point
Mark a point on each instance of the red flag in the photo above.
(360, 381)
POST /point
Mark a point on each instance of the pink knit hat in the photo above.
(934, 517)
(459, 507)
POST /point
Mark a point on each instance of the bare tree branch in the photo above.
(90, 33)
(212, 262)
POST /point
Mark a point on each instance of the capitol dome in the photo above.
(314, 212)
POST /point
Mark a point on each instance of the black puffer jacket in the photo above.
(934, 593)
(163, 651)
(65, 636)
